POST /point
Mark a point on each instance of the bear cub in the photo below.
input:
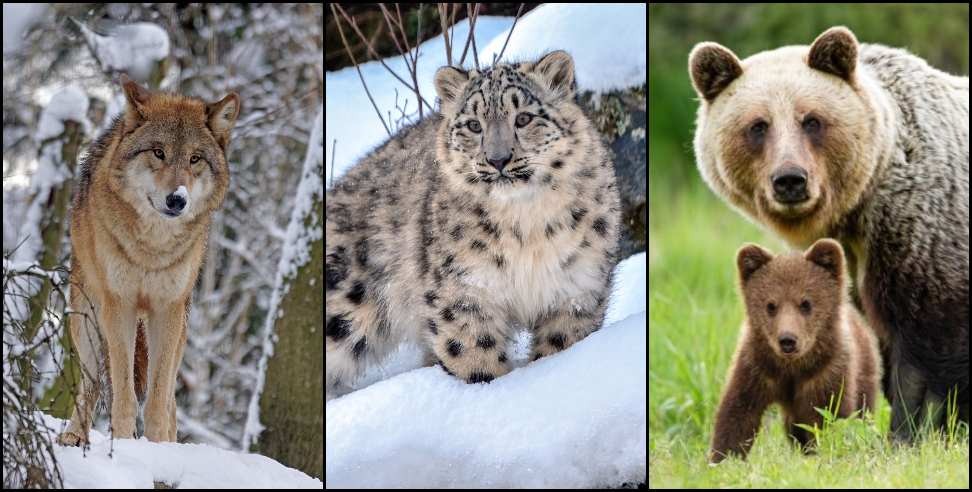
(802, 342)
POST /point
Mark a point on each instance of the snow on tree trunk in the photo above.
(62, 126)
(286, 417)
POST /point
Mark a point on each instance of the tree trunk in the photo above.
(53, 229)
(292, 398)
(292, 404)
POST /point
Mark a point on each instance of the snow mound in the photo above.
(131, 48)
(574, 419)
(138, 463)
(71, 103)
(607, 42)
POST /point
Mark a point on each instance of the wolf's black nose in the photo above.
(175, 202)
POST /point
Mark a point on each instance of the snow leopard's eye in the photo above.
(474, 126)
(523, 119)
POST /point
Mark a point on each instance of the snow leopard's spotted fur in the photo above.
(426, 240)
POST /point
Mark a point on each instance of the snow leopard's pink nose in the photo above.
(499, 162)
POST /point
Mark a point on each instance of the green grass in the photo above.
(694, 320)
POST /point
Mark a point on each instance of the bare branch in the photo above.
(443, 14)
(374, 54)
(333, 153)
(500, 57)
(469, 35)
(351, 55)
(472, 29)
(391, 27)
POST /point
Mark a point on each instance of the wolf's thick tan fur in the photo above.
(139, 228)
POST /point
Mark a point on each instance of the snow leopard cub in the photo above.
(500, 211)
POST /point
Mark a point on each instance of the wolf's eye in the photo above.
(158, 153)
(805, 307)
(771, 309)
(194, 159)
(523, 119)
(474, 126)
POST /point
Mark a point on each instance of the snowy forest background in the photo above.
(257, 295)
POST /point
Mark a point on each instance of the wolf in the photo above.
(140, 222)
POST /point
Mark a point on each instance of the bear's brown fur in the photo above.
(801, 344)
(868, 145)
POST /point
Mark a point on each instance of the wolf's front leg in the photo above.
(87, 343)
(469, 339)
(119, 325)
(166, 333)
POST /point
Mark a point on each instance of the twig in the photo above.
(469, 36)
(411, 60)
(472, 29)
(333, 153)
(374, 54)
(443, 14)
(500, 57)
(355, 62)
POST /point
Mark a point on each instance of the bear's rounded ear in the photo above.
(751, 257)
(712, 67)
(835, 52)
(827, 254)
(449, 83)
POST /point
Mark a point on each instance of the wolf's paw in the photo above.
(71, 438)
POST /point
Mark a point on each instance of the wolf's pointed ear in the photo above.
(713, 67)
(827, 254)
(751, 258)
(137, 97)
(449, 83)
(835, 52)
(556, 71)
(221, 116)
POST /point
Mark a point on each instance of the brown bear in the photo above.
(802, 344)
(868, 145)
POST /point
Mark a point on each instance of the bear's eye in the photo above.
(811, 125)
(523, 119)
(805, 307)
(771, 309)
(757, 131)
(474, 126)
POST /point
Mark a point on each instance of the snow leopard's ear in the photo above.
(556, 72)
(449, 84)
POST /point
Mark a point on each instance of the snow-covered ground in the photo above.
(574, 419)
(138, 463)
(607, 42)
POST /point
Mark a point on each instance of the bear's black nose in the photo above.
(790, 185)
(787, 344)
(175, 202)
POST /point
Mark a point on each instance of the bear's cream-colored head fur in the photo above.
(794, 301)
(791, 137)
